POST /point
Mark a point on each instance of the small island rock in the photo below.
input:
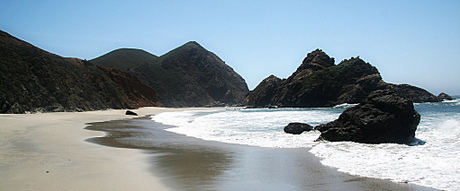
(443, 96)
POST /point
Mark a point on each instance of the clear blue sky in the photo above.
(414, 42)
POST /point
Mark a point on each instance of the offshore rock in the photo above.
(443, 96)
(318, 82)
(384, 117)
(297, 128)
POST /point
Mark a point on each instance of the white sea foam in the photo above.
(256, 127)
(434, 164)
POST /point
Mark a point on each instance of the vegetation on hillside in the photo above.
(37, 81)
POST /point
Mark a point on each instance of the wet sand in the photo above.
(186, 163)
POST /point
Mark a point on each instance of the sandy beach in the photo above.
(53, 151)
(47, 151)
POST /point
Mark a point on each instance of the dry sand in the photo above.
(47, 151)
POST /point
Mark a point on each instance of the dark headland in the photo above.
(318, 82)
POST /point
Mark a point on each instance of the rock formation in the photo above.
(186, 76)
(318, 82)
(412, 93)
(129, 112)
(443, 96)
(264, 92)
(37, 81)
(384, 117)
(297, 128)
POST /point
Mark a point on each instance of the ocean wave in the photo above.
(433, 164)
(345, 105)
(255, 127)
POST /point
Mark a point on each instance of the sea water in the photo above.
(434, 164)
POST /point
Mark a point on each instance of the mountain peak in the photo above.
(315, 61)
(192, 42)
(124, 58)
(319, 59)
(193, 45)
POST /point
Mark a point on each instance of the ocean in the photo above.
(435, 164)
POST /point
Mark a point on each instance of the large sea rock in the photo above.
(318, 82)
(384, 117)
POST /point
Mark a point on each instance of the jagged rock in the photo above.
(443, 96)
(318, 82)
(384, 117)
(264, 92)
(128, 112)
(349, 82)
(297, 128)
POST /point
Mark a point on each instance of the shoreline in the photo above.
(56, 151)
(188, 163)
(48, 151)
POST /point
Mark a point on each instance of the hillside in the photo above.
(33, 80)
(318, 82)
(187, 76)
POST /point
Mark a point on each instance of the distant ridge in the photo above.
(126, 58)
(33, 80)
(186, 76)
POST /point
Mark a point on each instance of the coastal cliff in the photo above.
(318, 82)
(34, 80)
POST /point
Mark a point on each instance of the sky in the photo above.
(413, 42)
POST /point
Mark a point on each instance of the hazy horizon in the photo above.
(413, 42)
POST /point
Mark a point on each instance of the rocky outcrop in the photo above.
(187, 76)
(318, 82)
(384, 117)
(129, 112)
(412, 93)
(297, 128)
(315, 61)
(443, 96)
(33, 80)
(264, 92)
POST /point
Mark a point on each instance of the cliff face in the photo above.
(318, 82)
(38, 81)
(264, 92)
(184, 77)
